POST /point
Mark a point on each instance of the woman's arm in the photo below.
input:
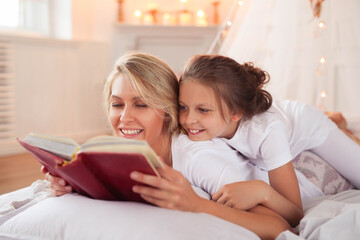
(173, 191)
(58, 185)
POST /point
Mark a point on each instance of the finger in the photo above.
(158, 202)
(222, 199)
(151, 192)
(58, 193)
(217, 195)
(151, 180)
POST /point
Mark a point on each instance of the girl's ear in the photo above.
(236, 117)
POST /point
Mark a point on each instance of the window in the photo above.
(9, 13)
(45, 17)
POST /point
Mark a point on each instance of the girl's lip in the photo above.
(195, 131)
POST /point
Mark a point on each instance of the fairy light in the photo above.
(322, 60)
(137, 13)
(183, 1)
(229, 23)
(200, 13)
(323, 94)
(240, 2)
(321, 24)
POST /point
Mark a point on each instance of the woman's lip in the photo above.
(130, 132)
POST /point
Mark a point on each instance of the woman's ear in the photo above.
(236, 117)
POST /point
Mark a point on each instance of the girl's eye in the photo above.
(181, 107)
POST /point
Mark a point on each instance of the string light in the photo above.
(200, 13)
(229, 23)
(321, 24)
(240, 2)
(323, 94)
(137, 13)
(322, 60)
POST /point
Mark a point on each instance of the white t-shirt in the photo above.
(212, 164)
(277, 136)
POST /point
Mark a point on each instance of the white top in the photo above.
(274, 138)
(211, 164)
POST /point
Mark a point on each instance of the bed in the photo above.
(32, 213)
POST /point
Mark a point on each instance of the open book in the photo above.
(99, 168)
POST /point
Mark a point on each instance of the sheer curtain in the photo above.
(306, 62)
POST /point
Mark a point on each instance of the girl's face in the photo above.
(200, 114)
(130, 117)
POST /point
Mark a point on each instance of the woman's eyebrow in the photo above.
(114, 96)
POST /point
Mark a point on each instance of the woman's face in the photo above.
(130, 117)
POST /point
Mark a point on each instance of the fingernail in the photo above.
(68, 188)
(135, 188)
(62, 182)
(134, 175)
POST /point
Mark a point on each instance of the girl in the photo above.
(141, 103)
(220, 98)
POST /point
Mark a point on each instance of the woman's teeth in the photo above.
(130, 132)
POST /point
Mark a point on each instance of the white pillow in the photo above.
(321, 173)
(73, 216)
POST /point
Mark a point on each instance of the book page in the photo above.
(60, 146)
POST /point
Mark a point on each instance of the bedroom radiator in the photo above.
(7, 94)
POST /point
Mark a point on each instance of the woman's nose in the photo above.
(127, 114)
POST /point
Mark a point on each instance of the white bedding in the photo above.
(31, 213)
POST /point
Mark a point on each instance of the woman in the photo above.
(141, 102)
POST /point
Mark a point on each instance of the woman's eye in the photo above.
(115, 105)
(141, 105)
(204, 110)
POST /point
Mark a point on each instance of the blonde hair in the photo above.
(153, 79)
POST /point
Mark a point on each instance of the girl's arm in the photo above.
(284, 181)
(173, 191)
(247, 194)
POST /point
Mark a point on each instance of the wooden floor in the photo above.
(18, 171)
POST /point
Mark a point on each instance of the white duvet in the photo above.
(31, 213)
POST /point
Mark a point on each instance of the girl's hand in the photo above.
(171, 191)
(242, 195)
(58, 185)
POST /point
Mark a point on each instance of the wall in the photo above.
(58, 88)
(95, 19)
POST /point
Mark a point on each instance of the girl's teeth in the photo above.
(130, 131)
(194, 131)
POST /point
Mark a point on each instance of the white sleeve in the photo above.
(275, 149)
(210, 165)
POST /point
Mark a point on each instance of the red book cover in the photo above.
(99, 175)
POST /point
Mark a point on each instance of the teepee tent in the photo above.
(312, 54)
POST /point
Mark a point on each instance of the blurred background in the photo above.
(56, 54)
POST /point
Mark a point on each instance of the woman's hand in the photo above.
(171, 191)
(242, 195)
(58, 185)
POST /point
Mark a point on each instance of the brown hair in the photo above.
(153, 79)
(239, 86)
